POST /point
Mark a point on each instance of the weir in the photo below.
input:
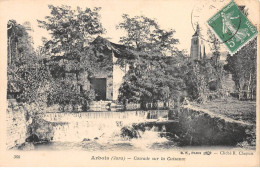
(101, 125)
(135, 115)
(130, 129)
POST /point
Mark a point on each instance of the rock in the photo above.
(129, 132)
(42, 129)
(96, 138)
(26, 146)
(32, 138)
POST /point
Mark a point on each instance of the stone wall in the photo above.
(201, 127)
(25, 125)
(16, 125)
(118, 74)
(114, 78)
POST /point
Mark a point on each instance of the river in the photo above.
(103, 131)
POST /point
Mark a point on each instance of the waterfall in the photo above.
(108, 129)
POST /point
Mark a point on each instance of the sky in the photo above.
(170, 14)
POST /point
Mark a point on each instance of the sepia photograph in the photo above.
(129, 83)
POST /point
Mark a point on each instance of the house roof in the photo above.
(102, 45)
(120, 51)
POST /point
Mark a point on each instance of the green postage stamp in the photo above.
(232, 27)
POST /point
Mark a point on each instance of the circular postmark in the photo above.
(215, 11)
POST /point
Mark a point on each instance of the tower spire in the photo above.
(197, 32)
(196, 45)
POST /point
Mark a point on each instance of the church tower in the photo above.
(197, 49)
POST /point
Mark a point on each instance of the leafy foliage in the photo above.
(149, 79)
(155, 74)
(198, 78)
(144, 34)
(70, 50)
(242, 66)
(35, 83)
(24, 71)
(214, 46)
(71, 31)
(64, 92)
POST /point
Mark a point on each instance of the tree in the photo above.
(242, 66)
(151, 75)
(219, 72)
(198, 77)
(153, 79)
(24, 72)
(63, 92)
(35, 81)
(214, 47)
(72, 31)
(144, 34)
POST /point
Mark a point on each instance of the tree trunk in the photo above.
(9, 51)
(249, 95)
(16, 51)
(77, 79)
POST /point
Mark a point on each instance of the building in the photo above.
(29, 29)
(15, 47)
(107, 81)
(198, 52)
(197, 49)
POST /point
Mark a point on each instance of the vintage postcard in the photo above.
(129, 83)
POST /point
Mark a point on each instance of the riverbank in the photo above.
(232, 108)
(25, 125)
(192, 125)
(233, 111)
